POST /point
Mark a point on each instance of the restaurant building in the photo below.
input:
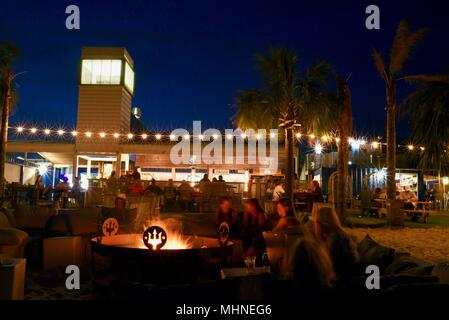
(110, 137)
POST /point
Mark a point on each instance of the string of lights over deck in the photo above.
(248, 134)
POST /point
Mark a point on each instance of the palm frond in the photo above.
(404, 42)
(380, 64)
(428, 108)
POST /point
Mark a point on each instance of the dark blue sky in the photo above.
(191, 57)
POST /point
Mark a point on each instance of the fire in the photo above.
(175, 238)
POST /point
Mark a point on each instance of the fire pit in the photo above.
(182, 258)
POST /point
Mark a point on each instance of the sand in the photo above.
(430, 244)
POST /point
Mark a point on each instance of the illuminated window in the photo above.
(129, 78)
(101, 71)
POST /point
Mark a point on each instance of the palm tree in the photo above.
(404, 42)
(428, 108)
(343, 107)
(8, 53)
(286, 100)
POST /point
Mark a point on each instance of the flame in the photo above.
(175, 239)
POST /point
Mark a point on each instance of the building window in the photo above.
(101, 71)
(129, 78)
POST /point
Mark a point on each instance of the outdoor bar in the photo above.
(311, 197)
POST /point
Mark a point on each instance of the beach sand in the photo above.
(430, 244)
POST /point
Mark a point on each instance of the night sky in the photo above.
(191, 57)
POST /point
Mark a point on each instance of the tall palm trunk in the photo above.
(289, 164)
(345, 128)
(391, 140)
(395, 215)
(4, 129)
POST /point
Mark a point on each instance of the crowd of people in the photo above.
(324, 253)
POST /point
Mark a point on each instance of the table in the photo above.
(227, 273)
(12, 279)
(304, 199)
(63, 251)
(251, 284)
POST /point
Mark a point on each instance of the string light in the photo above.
(355, 143)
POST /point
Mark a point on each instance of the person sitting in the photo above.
(203, 182)
(113, 183)
(310, 264)
(220, 179)
(169, 195)
(318, 193)
(185, 191)
(253, 224)
(62, 189)
(136, 174)
(136, 187)
(278, 191)
(154, 188)
(286, 214)
(76, 191)
(227, 214)
(409, 198)
(342, 248)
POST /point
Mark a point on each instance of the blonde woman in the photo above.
(310, 264)
(326, 228)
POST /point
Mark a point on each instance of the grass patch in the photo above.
(357, 220)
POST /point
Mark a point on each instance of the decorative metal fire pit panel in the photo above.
(110, 227)
(154, 237)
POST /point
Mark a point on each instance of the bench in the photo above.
(416, 213)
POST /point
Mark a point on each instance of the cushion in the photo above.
(12, 237)
(441, 270)
(409, 266)
(4, 221)
(33, 217)
(10, 215)
(82, 221)
(372, 253)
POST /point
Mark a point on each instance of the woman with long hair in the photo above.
(310, 264)
(253, 224)
(342, 248)
(286, 213)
